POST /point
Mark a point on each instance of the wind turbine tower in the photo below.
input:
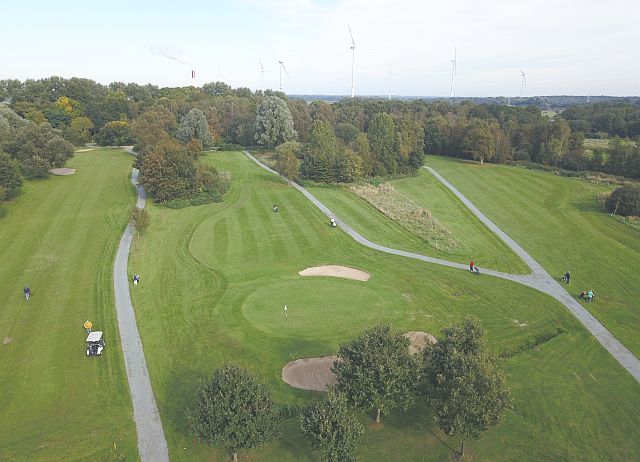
(389, 96)
(261, 75)
(353, 62)
(285, 71)
(453, 73)
(523, 84)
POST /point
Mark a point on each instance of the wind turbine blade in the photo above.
(261, 66)
(353, 43)
(285, 70)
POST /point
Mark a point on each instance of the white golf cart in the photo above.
(95, 344)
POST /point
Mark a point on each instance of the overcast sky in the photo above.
(575, 47)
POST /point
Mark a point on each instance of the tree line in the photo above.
(457, 376)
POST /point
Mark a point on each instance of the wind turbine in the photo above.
(285, 71)
(353, 61)
(523, 84)
(390, 74)
(261, 75)
(453, 73)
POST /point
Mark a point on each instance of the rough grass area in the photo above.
(408, 214)
(214, 282)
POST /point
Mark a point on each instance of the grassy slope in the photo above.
(558, 221)
(482, 245)
(60, 237)
(215, 277)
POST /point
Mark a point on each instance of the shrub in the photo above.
(139, 219)
(625, 201)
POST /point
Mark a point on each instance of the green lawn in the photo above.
(60, 237)
(424, 190)
(215, 278)
(559, 222)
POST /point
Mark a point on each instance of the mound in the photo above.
(310, 373)
(63, 171)
(419, 340)
(336, 271)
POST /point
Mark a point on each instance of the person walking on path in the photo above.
(471, 267)
(88, 325)
(27, 292)
(566, 277)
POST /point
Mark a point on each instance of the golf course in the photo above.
(215, 279)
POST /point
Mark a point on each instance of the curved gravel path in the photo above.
(152, 445)
(539, 279)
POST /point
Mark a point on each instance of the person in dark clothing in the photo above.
(275, 208)
(471, 267)
(566, 277)
(476, 270)
(27, 293)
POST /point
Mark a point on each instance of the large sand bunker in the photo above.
(336, 271)
(63, 171)
(315, 373)
(310, 373)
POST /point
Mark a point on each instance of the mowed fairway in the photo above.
(60, 238)
(214, 282)
(478, 242)
(559, 222)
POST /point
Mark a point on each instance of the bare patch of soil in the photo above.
(63, 171)
(6, 340)
(336, 271)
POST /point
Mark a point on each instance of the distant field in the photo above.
(559, 222)
(60, 238)
(591, 144)
(215, 279)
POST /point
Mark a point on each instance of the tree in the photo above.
(329, 427)
(195, 126)
(463, 383)
(80, 130)
(287, 162)
(319, 162)
(381, 141)
(376, 371)
(10, 179)
(168, 171)
(478, 142)
(139, 219)
(624, 201)
(115, 133)
(234, 409)
(361, 147)
(274, 124)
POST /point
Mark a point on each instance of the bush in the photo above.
(625, 201)
(139, 219)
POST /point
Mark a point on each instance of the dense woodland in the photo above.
(40, 120)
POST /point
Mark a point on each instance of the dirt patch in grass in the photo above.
(336, 271)
(417, 220)
(62, 171)
(310, 373)
(6, 340)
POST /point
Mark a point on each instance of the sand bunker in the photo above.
(419, 340)
(336, 271)
(315, 373)
(63, 171)
(84, 150)
(310, 373)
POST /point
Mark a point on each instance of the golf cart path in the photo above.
(152, 445)
(539, 279)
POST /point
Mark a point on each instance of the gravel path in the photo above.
(539, 279)
(152, 445)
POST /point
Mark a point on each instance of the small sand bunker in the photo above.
(419, 340)
(6, 340)
(84, 150)
(336, 271)
(310, 373)
(63, 171)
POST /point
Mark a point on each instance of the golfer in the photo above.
(286, 312)
(567, 277)
(27, 293)
(88, 325)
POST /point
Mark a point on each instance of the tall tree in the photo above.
(329, 427)
(234, 409)
(274, 124)
(321, 153)
(287, 162)
(463, 382)
(195, 126)
(376, 371)
(10, 179)
(381, 135)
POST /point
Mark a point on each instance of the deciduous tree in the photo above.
(274, 124)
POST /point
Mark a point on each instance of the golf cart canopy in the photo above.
(94, 336)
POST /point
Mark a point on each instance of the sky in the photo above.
(564, 47)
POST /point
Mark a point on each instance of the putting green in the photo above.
(320, 308)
